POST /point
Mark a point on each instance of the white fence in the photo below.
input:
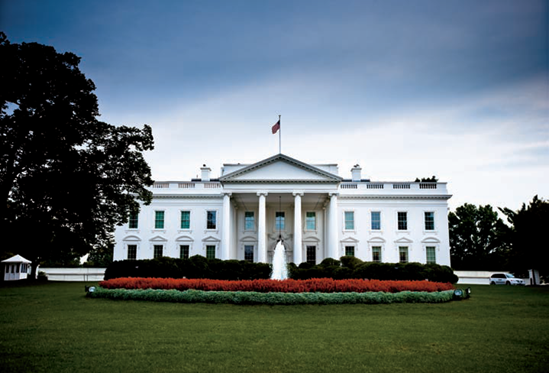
(74, 274)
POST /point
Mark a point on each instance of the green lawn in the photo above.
(52, 327)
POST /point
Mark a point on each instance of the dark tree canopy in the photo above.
(528, 237)
(477, 238)
(66, 178)
(432, 179)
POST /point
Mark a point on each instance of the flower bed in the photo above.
(322, 285)
(255, 298)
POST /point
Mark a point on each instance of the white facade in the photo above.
(320, 215)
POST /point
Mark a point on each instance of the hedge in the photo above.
(347, 268)
(323, 285)
(254, 298)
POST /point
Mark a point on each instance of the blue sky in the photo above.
(457, 89)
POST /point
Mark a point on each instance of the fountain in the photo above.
(280, 270)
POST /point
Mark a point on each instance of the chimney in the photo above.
(205, 173)
(356, 172)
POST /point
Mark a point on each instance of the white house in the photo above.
(318, 214)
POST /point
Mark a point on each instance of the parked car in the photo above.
(505, 279)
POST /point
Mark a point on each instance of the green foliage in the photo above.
(355, 268)
(195, 267)
(100, 256)
(432, 179)
(477, 238)
(527, 236)
(66, 175)
(247, 297)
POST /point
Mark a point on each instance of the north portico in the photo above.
(242, 213)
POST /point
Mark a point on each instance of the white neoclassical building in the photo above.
(318, 214)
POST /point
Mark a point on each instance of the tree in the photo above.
(66, 178)
(528, 242)
(477, 238)
(432, 179)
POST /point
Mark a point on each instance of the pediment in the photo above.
(280, 169)
(376, 240)
(350, 240)
(131, 238)
(184, 239)
(248, 239)
(431, 240)
(158, 239)
(311, 239)
(404, 240)
(211, 239)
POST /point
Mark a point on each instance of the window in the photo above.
(184, 251)
(210, 251)
(402, 221)
(311, 254)
(429, 221)
(158, 251)
(279, 218)
(133, 223)
(431, 254)
(249, 253)
(403, 254)
(349, 250)
(376, 254)
(159, 220)
(249, 221)
(376, 220)
(132, 252)
(185, 220)
(349, 220)
(211, 220)
(310, 221)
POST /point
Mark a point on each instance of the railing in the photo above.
(428, 186)
(212, 185)
(161, 185)
(186, 185)
(374, 186)
(401, 186)
(348, 186)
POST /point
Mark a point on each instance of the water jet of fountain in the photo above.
(280, 270)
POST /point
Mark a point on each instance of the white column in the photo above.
(298, 250)
(333, 241)
(261, 223)
(226, 233)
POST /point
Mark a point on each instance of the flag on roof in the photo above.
(276, 127)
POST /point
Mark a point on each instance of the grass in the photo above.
(52, 327)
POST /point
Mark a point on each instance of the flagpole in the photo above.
(279, 137)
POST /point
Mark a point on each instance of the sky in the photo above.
(458, 89)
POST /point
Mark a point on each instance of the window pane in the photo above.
(158, 251)
(279, 221)
(376, 220)
(249, 221)
(185, 220)
(211, 220)
(132, 252)
(249, 253)
(376, 253)
(184, 251)
(403, 221)
(349, 220)
(210, 251)
(350, 250)
(403, 251)
(159, 219)
(429, 221)
(133, 223)
(310, 221)
(431, 254)
(311, 254)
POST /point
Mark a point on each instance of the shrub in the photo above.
(237, 297)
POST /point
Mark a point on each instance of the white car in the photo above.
(505, 279)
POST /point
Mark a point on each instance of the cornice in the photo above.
(399, 196)
(188, 196)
